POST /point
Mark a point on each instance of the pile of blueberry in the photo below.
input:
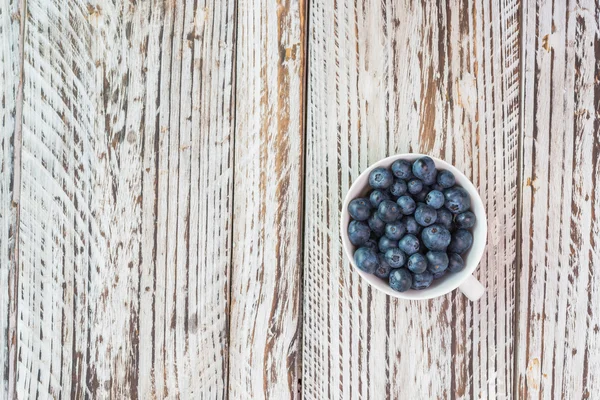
(413, 226)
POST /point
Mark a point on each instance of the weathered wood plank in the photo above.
(126, 187)
(264, 359)
(395, 77)
(558, 342)
(10, 117)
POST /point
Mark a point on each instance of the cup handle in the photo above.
(472, 288)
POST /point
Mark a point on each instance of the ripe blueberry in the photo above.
(358, 233)
(380, 178)
(402, 169)
(366, 259)
(400, 279)
(417, 263)
(360, 209)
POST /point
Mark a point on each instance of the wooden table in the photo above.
(172, 174)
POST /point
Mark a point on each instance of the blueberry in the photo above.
(411, 225)
(407, 205)
(414, 186)
(438, 275)
(402, 169)
(444, 218)
(377, 196)
(425, 215)
(380, 178)
(388, 211)
(417, 263)
(437, 261)
(358, 233)
(456, 263)
(409, 244)
(457, 200)
(422, 280)
(371, 244)
(465, 220)
(437, 187)
(398, 188)
(400, 279)
(386, 243)
(395, 257)
(422, 195)
(376, 224)
(462, 241)
(360, 209)
(436, 237)
(366, 259)
(395, 230)
(446, 179)
(383, 270)
(424, 169)
(435, 199)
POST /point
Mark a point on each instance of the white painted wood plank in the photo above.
(126, 200)
(396, 77)
(264, 359)
(10, 112)
(558, 351)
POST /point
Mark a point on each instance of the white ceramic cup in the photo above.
(463, 280)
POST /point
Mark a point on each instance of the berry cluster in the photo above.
(413, 226)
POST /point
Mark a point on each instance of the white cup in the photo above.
(463, 280)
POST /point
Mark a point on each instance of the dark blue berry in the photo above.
(366, 259)
(398, 188)
(456, 263)
(402, 169)
(435, 199)
(376, 224)
(381, 178)
(436, 237)
(383, 270)
(457, 200)
(386, 243)
(437, 187)
(415, 186)
(358, 233)
(400, 279)
(411, 225)
(395, 230)
(422, 195)
(417, 263)
(436, 261)
(377, 196)
(409, 244)
(465, 220)
(462, 241)
(446, 179)
(407, 205)
(439, 274)
(425, 215)
(371, 244)
(388, 211)
(395, 257)
(444, 218)
(424, 169)
(422, 280)
(360, 209)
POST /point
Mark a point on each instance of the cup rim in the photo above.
(472, 258)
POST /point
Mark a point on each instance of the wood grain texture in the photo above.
(558, 342)
(395, 77)
(10, 117)
(264, 359)
(126, 197)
